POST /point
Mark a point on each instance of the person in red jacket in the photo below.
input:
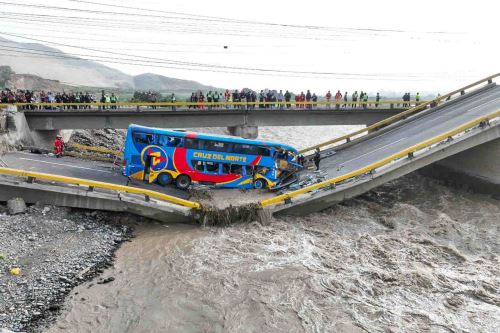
(59, 146)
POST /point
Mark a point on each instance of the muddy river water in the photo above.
(411, 256)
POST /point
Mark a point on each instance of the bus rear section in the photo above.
(162, 156)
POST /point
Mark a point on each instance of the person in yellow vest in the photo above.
(113, 99)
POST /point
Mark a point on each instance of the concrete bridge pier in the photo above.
(244, 131)
(17, 132)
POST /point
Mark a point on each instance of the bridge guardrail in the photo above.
(406, 152)
(420, 107)
(96, 184)
(211, 104)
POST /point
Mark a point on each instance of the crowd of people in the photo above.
(239, 99)
(8, 96)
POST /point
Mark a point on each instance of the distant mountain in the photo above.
(70, 70)
(162, 83)
(60, 66)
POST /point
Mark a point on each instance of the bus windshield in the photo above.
(183, 158)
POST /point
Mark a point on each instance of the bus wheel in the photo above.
(183, 182)
(164, 178)
(259, 184)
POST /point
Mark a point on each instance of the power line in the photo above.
(221, 19)
(50, 54)
(177, 62)
(205, 18)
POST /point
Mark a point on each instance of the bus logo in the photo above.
(159, 158)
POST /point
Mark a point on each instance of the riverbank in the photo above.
(55, 250)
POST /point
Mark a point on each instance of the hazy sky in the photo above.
(319, 45)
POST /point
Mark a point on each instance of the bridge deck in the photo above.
(411, 133)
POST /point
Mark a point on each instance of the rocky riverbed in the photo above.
(44, 253)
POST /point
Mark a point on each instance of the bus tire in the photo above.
(259, 184)
(183, 182)
(164, 178)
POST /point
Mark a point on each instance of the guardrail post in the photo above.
(287, 200)
(462, 93)
(392, 106)
(146, 197)
(490, 81)
(30, 179)
(138, 108)
(410, 155)
(348, 140)
(91, 189)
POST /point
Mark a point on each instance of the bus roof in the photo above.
(222, 138)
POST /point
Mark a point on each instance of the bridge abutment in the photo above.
(244, 131)
(477, 168)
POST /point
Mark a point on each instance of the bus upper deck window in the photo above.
(145, 138)
(191, 143)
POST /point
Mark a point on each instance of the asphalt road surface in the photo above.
(411, 133)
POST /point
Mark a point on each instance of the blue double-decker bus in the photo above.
(165, 156)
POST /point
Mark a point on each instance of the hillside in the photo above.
(162, 83)
(53, 64)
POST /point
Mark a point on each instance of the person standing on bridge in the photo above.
(317, 158)
(308, 99)
(173, 100)
(288, 96)
(113, 99)
(338, 98)
(417, 99)
(328, 99)
(280, 99)
(345, 100)
(58, 146)
(102, 100)
(354, 98)
(377, 100)
(314, 99)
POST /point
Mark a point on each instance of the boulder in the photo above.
(16, 206)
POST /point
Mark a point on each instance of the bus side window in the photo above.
(212, 166)
(249, 170)
(226, 168)
(191, 143)
(236, 169)
(145, 138)
(198, 165)
(163, 140)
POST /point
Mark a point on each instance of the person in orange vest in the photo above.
(58, 146)
(338, 98)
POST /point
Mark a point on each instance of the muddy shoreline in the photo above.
(56, 249)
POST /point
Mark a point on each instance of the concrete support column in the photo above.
(244, 131)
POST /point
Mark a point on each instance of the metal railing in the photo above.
(420, 107)
(372, 104)
(96, 184)
(408, 152)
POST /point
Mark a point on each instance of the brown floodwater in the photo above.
(411, 256)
